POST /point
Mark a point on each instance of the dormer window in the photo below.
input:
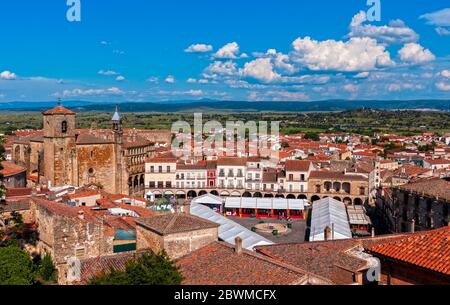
(64, 127)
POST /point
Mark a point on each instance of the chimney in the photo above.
(238, 245)
(81, 214)
(413, 226)
(373, 232)
(327, 234)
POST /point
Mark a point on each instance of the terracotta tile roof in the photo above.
(11, 169)
(175, 223)
(62, 209)
(137, 141)
(219, 264)
(317, 257)
(325, 258)
(429, 250)
(433, 187)
(14, 206)
(438, 161)
(297, 166)
(14, 192)
(409, 170)
(100, 265)
(59, 110)
(87, 139)
(231, 161)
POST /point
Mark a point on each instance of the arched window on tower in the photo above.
(64, 127)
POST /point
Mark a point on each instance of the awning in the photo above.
(265, 203)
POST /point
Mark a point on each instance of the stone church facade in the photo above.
(112, 159)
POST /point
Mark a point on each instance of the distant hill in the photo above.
(234, 106)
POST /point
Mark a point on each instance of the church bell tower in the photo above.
(59, 144)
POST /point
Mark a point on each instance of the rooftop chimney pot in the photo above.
(238, 245)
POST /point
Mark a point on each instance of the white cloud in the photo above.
(439, 19)
(357, 54)
(278, 95)
(227, 68)
(153, 79)
(191, 80)
(394, 33)
(362, 75)
(414, 53)
(395, 87)
(120, 78)
(445, 73)
(230, 51)
(195, 92)
(203, 81)
(443, 86)
(107, 72)
(260, 69)
(170, 79)
(89, 92)
(443, 31)
(8, 75)
(199, 48)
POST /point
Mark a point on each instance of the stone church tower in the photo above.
(59, 146)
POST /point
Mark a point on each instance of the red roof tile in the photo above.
(11, 169)
(59, 110)
(175, 223)
(297, 166)
(430, 250)
(219, 264)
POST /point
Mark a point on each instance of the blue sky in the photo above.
(141, 50)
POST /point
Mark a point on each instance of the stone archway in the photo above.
(215, 193)
(337, 198)
(201, 193)
(279, 196)
(268, 195)
(257, 195)
(192, 194)
(315, 198)
(347, 200)
(337, 187)
(302, 196)
(290, 196)
(225, 194)
(247, 195)
(235, 194)
(358, 201)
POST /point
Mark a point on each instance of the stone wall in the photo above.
(66, 237)
(96, 164)
(175, 245)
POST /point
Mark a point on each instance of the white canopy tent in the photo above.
(266, 203)
(228, 229)
(331, 213)
(208, 199)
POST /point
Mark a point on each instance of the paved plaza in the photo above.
(296, 235)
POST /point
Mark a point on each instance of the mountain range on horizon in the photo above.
(236, 106)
